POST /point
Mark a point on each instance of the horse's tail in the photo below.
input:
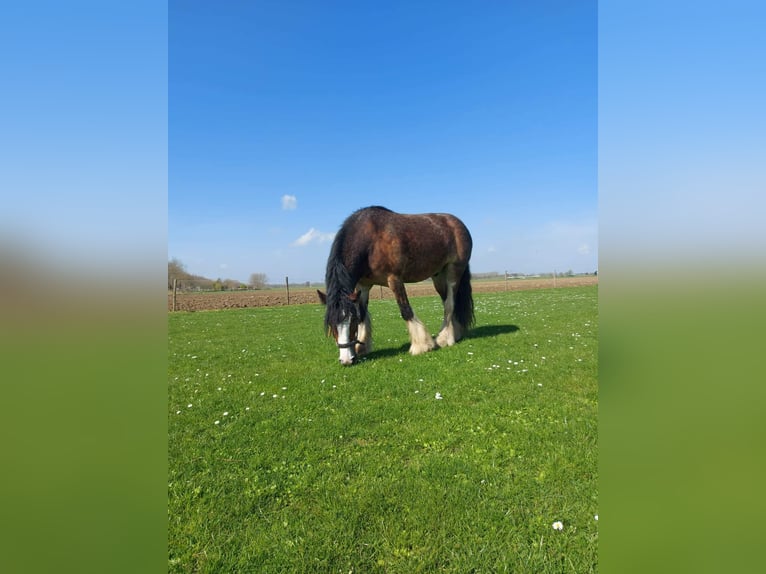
(464, 300)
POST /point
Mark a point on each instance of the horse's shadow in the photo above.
(389, 352)
(475, 333)
(490, 331)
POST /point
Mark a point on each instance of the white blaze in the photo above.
(346, 354)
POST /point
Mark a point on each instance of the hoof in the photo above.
(449, 335)
(445, 340)
(421, 348)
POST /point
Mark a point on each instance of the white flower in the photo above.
(225, 413)
(438, 396)
(189, 406)
(595, 517)
(217, 422)
(558, 525)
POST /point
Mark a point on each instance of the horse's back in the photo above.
(436, 227)
(380, 243)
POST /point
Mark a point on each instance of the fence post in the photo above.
(174, 293)
(287, 285)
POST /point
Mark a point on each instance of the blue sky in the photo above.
(284, 117)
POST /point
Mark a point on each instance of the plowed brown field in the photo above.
(303, 295)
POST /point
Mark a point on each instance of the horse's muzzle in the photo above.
(347, 355)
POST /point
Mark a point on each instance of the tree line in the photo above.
(187, 281)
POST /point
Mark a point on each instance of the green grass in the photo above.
(287, 462)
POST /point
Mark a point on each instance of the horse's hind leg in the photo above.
(364, 331)
(440, 283)
(446, 284)
(420, 339)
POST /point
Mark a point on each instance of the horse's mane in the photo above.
(339, 281)
(340, 285)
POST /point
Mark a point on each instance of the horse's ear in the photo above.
(322, 297)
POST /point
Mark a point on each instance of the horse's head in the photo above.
(342, 318)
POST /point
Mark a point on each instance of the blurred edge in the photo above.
(82, 303)
(682, 278)
(681, 427)
(84, 362)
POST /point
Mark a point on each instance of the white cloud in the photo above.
(584, 249)
(289, 202)
(312, 235)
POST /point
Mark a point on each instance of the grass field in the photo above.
(281, 460)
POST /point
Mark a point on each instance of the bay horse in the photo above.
(376, 246)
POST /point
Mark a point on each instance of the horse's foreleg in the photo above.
(420, 339)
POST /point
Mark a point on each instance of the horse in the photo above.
(377, 246)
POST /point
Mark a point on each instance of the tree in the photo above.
(176, 270)
(258, 280)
